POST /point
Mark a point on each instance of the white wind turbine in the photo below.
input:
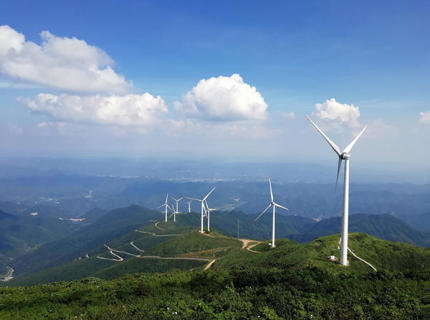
(272, 205)
(203, 209)
(176, 210)
(189, 205)
(166, 207)
(344, 155)
(208, 214)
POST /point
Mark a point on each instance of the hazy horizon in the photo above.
(73, 84)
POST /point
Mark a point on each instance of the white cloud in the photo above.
(338, 113)
(127, 110)
(425, 117)
(223, 99)
(63, 63)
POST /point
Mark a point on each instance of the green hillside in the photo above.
(382, 254)
(110, 226)
(383, 226)
(78, 255)
(292, 281)
(157, 245)
(21, 234)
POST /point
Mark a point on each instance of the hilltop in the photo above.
(131, 229)
(245, 281)
(383, 226)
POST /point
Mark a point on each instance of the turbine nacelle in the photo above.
(345, 156)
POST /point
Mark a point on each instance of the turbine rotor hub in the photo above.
(345, 156)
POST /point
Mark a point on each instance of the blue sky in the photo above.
(296, 54)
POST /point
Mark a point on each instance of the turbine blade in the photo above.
(349, 147)
(268, 207)
(331, 143)
(271, 191)
(174, 198)
(180, 198)
(282, 207)
(338, 170)
(167, 197)
(209, 193)
(195, 199)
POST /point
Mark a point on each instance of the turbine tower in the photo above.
(203, 209)
(166, 206)
(272, 205)
(175, 211)
(189, 205)
(208, 214)
(343, 156)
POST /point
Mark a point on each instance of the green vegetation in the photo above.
(383, 226)
(114, 224)
(243, 292)
(21, 234)
(292, 281)
(163, 240)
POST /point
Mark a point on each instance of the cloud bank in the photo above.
(223, 99)
(127, 110)
(336, 112)
(62, 63)
(425, 117)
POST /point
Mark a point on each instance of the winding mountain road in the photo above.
(248, 244)
(116, 253)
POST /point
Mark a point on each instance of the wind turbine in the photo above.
(166, 207)
(208, 214)
(343, 156)
(272, 205)
(189, 205)
(203, 209)
(175, 211)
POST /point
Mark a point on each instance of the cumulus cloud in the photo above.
(223, 99)
(63, 63)
(127, 110)
(336, 112)
(425, 117)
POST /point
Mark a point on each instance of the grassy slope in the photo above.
(384, 255)
(292, 281)
(20, 234)
(110, 226)
(188, 244)
(383, 226)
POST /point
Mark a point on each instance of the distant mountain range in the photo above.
(72, 196)
(383, 226)
(68, 256)
(207, 276)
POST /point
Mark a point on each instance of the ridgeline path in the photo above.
(116, 253)
(247, 246)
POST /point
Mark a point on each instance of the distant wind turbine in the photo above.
(272, 205)
(208, 214)
(166, 207)
(189, 205)
(203, 209)
(176, 210)
(345, 156)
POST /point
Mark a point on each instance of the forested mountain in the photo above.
(382, 226)
(291, 281)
